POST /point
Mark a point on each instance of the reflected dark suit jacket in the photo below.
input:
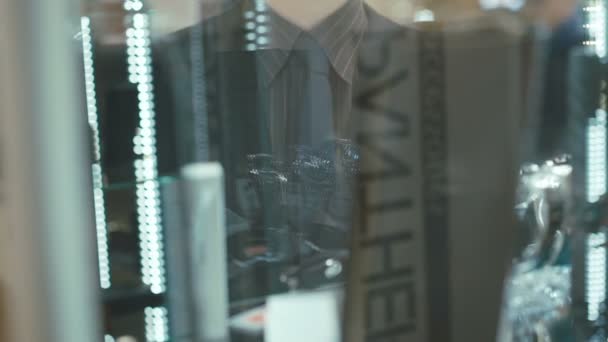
(209, 59)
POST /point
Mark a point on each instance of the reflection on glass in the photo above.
(119, 94)
(276, 98)
(537, 301)
(538, 293)
(93, 119)
(595, 292)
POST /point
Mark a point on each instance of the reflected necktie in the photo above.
(310, 125)
(317, 118)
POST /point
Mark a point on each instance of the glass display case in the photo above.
(319, 170)
(248, 151)
(116, 53)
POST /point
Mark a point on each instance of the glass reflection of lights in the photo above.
(596, 161)
(513, 5)
(139, 59)
(596, 169)
(109, 338)
(147, 193)
(595, 276)
(157, 329)
(595, 11)
(93, 119)
(256, 26)
(424, 15)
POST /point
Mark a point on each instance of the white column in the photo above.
(48, 279)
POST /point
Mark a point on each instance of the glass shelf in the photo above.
(118, 186)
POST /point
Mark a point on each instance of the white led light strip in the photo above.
(139, 59)
(596, 275)
(256, 27)
(99, 202)
(596, 157)
(157, 329)
(596, 187)
(596, 12)
(147, 189)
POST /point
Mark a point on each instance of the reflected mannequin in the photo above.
(306, 14)
(288, 99)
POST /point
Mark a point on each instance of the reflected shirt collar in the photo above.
(339, 35)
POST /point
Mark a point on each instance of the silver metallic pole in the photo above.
(48, 279)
